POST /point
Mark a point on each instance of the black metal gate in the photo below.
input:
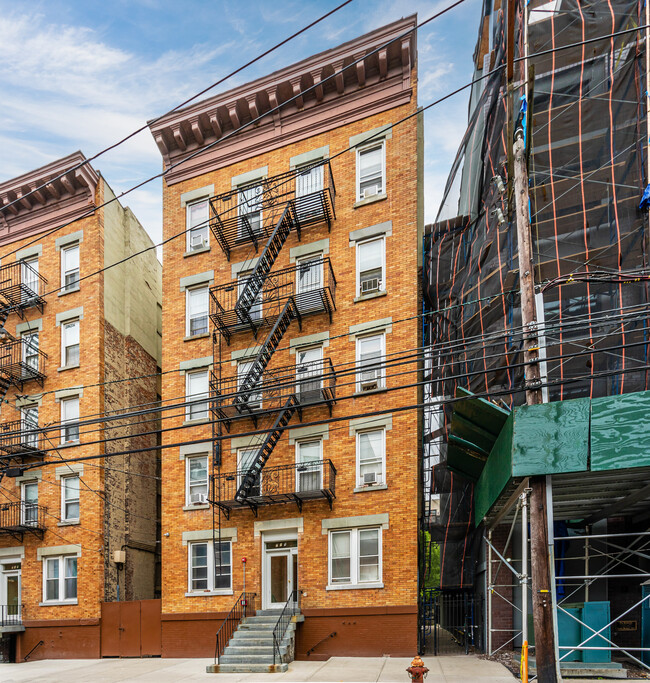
(449, 622)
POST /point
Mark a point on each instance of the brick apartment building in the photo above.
(64, 341)
(290, 286)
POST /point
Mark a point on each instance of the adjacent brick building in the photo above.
(66, 343)
(290, 285)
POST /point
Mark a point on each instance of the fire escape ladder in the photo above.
(253, 376)
(252, 475)
(255, 281)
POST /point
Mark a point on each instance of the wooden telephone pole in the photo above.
(545, 652)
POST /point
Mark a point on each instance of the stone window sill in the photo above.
(370, 391)
(370, 200)
(374, 295)
(57, 603)
(202, 506)
(71, 522)
(68, 444)
(191, 423)
(196, 336)
(353, 586)
(67, 367)
(206, 594)
(193, 252)
(63, 293)
(367, 489)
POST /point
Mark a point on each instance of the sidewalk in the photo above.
(461, 669)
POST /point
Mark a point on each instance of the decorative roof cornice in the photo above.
(60, 201)
(379, 82)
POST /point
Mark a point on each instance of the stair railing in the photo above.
(291, 607)
(245, 605)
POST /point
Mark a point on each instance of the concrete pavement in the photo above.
(462, 669)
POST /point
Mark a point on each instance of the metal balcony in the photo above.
(294, 483)
(313, 383)
(19, 438)
(312, 286)
(19, 517)
(21, 287)
(20, 362)
(11, 616)
(248, 215)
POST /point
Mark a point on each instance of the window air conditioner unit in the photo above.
(198, 498)
(370, 478)
(371, 191)
(369, 286)
(198, 241)
(369, 379)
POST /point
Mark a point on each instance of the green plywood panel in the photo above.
(496, 473)
(551, 438)
(620, 432)
(464, 459)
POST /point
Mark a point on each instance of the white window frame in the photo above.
(74, 286)
(240, 452)
(382, 279)
(197, 402)
(309, 469)
(66, 332)
(63, 566)
(69, 422)
(316, 376)
(29, 434)
(255, 311)
(355, 581)
(31, 360)
(194, 230)
(188, 319)
(382, 460)
(316, 259)
(29, 279)
(243, 203)
(188, 482)
(210, 590)
(256, 396)
(25, 518)
(70, 501)
(381, 364)
(376, 144)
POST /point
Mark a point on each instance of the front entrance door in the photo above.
(10, 592)
(280, 577)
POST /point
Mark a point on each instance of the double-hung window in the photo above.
(70, 344)
(309, 372)
(208, 569)
(249, 210)
(309, 275)
(255, 311)
(254, 400)
(30, 351)
(197, 225)
(60, 579)
(70, 419)
(371, 457)
(370, 362)
(70, 498)
(29, 425)
(29, 279)
(196, 395)
(371, 266)
(309, 182)
(355, 557)
(309, 456)
(196, 476)
(70, 268)
(197, 311)
(245, 459)
(29, 500)
(371, 171)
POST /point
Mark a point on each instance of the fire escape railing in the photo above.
(21, 362)
(312, 382)
(292, 483)
(311, 285)
(19, 438)
(21, 516)
(21, 287)
(248, 215)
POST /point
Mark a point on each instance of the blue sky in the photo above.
(81, 75)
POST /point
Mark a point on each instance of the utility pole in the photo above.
(545, 652)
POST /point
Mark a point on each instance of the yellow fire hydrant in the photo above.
(417, 671)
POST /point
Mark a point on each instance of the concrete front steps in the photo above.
(592, 670)
(250, 649)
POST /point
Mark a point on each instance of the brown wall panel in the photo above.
(60, 642)
(110, 629)
(150, 628)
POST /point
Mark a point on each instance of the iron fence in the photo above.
(291, 607)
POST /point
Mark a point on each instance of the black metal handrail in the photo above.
(316, 294)
(312, 382)
(11, 615)
(236, 220)
(291, 607)
(21, 362)
(20, 516)
(245, 605)
(21, 286)
(292, 483)
(19, 437)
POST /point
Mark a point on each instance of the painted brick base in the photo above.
(62, 639)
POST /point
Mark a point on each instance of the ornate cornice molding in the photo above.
(379, 82)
